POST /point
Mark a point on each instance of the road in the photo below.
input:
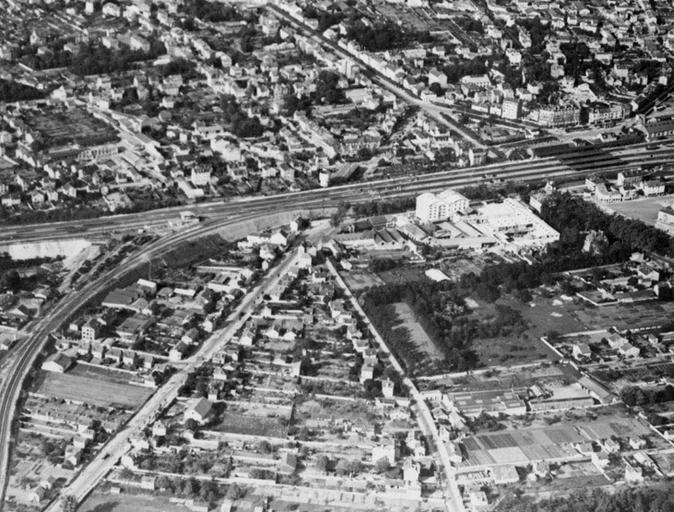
(624, 157)
(223, 214)
(430, 109)
(96, 470)
(24, 354)
(452, 494)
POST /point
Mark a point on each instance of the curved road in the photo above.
(24, 355)
(630, 156)
(227, 214)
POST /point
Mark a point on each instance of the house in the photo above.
(199, 410)
(628, 350)
(90, 330)
(387, 388)
(48, 482)
(72, 455)
(289, 463)
(633, 474)
(36, 494)
(148, 482)
(177, 352)
(616, 340)
(581, 351)
(478, 500)
(600, 459)
(386, 450)
(57, 363)
(159, 429)
(637, 443)
(611, 446)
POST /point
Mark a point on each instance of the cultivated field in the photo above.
(418, 335)
(627, 316)
(554, 442)
(91, 390)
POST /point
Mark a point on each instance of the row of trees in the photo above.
(93, 58)
(637, 395)
(373, 208)
(384, 36)
(565, 212)
(15, 91)
(211, 11)
(573, 218)
(439, 309)
(458, 70)
(656, 498)
(241, 124)
(326, 19)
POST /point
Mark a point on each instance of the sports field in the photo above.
(99, 502)
(418, 335)
(91, 390)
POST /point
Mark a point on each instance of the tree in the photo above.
(126, 474)
(190, 487)
(322, 463)
(264, 446)
(235, 492)
(208, 491)
(382, 465)
(327, 88)
(436, 89)
(163, 482)
(192, 424)
(69, 503)
(348, 467)
(11, 281)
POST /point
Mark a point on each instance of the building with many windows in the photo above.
(438, 207)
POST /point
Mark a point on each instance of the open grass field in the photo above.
(99, 502)
(358, 280)
(402, 275)
(91, 390)
(645, 209)
(100, 372)
(251, 425)
(515, 348)
(418, 335)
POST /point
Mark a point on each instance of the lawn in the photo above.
(99, 373)
(91, 390)
(402, 275)
(250, 425)
(99, 502)
(514, 349)
(360, 280)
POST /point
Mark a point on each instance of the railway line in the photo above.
(583, 163)
(221, 215)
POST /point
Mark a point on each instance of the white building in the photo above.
(434, 208)
(513, 222)
(57, 363)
